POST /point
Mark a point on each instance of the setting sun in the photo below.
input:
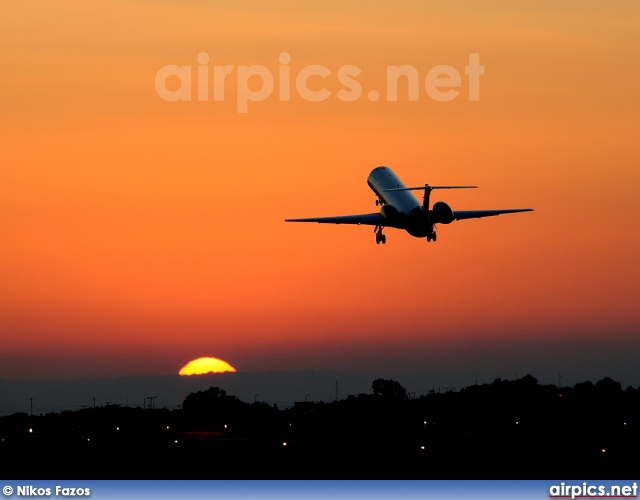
(206, 365)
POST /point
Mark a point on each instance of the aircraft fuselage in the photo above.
(401, 208)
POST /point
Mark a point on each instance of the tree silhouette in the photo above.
(212, 407)
(213, 398)
(389, 389)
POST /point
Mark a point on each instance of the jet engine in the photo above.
(441, 213)
(389, 212)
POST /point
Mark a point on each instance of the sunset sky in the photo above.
(140, 233)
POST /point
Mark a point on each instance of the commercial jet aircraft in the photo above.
(402, 210)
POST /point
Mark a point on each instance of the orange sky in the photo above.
(139, 233)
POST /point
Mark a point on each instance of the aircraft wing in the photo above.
(374, 219)
(476, 214)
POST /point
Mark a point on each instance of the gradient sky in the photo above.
(138, 233)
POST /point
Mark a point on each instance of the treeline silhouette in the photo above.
(477, 431)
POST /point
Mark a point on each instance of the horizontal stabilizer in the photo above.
(427, 187)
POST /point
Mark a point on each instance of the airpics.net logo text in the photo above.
(592, 491)
(257, 83)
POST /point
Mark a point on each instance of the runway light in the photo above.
(117, 428)
(176, 441)
(517, 422)
(225, 426)
(284, 444)
(30, 431)
(167, 427)
(422, 447)
(603, 450)
(88, 440)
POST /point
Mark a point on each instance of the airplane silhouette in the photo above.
(402, 210)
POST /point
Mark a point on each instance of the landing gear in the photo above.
(380, 238)
(432, 237)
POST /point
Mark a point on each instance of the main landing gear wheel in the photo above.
(380, 238)
(432, 236)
